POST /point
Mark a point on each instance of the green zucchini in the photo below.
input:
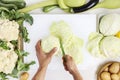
(8, 6)
(49, 8)
(19, 3)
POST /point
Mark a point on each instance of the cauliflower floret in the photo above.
(8, 30)
(8, 59)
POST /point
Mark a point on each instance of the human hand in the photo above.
(43, 58)
(69, 64)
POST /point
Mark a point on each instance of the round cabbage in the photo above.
(110, 24)
(49, 43)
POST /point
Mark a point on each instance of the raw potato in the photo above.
(115, 77)
(114, 68)
(24, 76)
(119, 74)
(106, 69)
(105, 76)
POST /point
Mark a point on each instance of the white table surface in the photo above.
(82, 26)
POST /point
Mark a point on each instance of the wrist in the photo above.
(76, 75)
(75, 72)
(42, 67)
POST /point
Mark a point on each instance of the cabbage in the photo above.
(110, 46)
(49, 43)
(71, 44)
(110, 24)
(73, 48)
(93, 44)
(61, 30)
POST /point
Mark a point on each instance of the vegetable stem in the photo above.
(38, 5)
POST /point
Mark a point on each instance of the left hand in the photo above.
(44, 58)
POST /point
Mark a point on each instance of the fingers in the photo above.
(66, 58)
(38, 47)
(52, 52)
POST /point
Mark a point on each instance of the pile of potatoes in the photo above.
(110, 71)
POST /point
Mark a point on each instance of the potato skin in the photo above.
(115, 77)
(24, 76)
(114, 68)
(105, 76)
(119, 73)
(106, 69)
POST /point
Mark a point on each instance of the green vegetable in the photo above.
(49, 8)
(61, 30)
(19, 3)
(24, 34)
(20, 66)
(14, 42)
(24, 66)
(110, 4)
(38, 5)
(66, 5)
(9, 6)
(110, 24)
(74, 3)
(109, 46)
(3, 76)
(50, 40)
(72, 45)
(93, 45)
(3, 44)
(19, 17)
(64, 39)
(62, 5)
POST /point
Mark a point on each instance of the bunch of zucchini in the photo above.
(12, 4)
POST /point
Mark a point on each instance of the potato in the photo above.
(115, 77)
(114, 68)
(106, 69)
(24, 76)
(105, 76)
(119, 73)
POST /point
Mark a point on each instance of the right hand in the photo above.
(69, 64)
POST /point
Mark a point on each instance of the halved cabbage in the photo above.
(110, 24)
(110, 46)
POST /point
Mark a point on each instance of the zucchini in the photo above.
(8, 6)
(49, 8)
(19, 3)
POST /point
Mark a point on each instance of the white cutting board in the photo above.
(82, 26)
